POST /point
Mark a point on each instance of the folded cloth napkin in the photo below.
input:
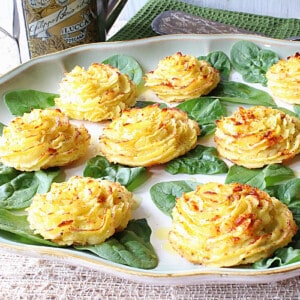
(140, 25)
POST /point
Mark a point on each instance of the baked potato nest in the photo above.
(99, 93)
(80, 211)
(181, 77)
(148, 136)
(284, 79)
(42, 139)
(258, 136)
(223, 225)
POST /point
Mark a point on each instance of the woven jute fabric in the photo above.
(24, 277)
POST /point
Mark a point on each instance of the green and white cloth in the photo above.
(140, 25)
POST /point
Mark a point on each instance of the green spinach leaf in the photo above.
(17, 224)
(130, 247)
(164, 194)
(260, 178)
(142, 104)
(297, 110)
(251, 61)
(289, 193)
(237, 92)
(220, 61)
(100, 167)
(17, 188)
(288, 112)
(205, 111)
(207, 129)
(127, 65)
(1, 128)
(281, 257)
(200, 160)
(23, 101)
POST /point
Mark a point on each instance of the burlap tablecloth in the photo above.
(26, 277)
(33, 278)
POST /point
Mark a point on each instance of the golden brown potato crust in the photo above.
(81, 211)
(222, 225)
(42, 139)
(182, 77)
(258, 136)
(284, 79)
(148, 136)
(99, 93)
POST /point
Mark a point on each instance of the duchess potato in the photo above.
(81, 211)
(42, 139)
(284, 78)
(148, 136)
(223, 225)
(99, 93)
(258, 136)
(182, 77)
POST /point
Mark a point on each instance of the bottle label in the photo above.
(54, 25)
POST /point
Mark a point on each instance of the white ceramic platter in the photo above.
(45, 73)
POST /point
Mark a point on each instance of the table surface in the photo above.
(29, 277)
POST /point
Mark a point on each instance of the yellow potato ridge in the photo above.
(223, 225)
(148, 136)
(81, 211)
(284, 79)
(42, 139)
(182, 77)
(99, 93)
(258, 136)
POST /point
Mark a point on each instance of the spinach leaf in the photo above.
(1, 128)
(164, 194)
(130, 247)
(127, 65)
(207, 129)
(200, 160)
(289, 193)
(17, 224)
(205, 111)
(260, 178)
(237, 92)
(23, 101)
(220, 61)
(17, 188)
(251, 61)
(142, 104)
(297, 110)
(281, 257)
(288, 112)
(46, 177)
(100, 167)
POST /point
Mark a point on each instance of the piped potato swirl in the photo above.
(258, 136)
(223, 225)
(81, 211)
(284, 79)
(148, 136)
(42, 139)
(181, 77)
(99, 93)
